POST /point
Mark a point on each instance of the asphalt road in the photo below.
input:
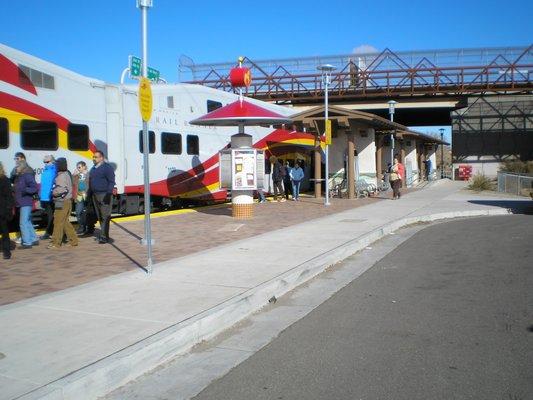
(447, 315)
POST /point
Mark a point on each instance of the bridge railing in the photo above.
(386, 75)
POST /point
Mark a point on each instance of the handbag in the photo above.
(394, 176)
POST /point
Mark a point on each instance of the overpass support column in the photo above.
(350, 164)
(318, 165)
(379, 150)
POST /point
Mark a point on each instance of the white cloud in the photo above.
(365, 48)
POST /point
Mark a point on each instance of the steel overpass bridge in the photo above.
(428, 85)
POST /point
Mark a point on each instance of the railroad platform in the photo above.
(84, 341)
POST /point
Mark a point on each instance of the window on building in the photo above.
(38, 135)
(193, 145)
(4, 133)
(170, 143)
(151, 142)
(78, 137)
(213, 105)
(38, 78)
(170, 101)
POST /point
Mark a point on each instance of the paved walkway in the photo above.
(40, 270)
(84, 341)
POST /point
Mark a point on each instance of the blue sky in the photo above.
(95, 37)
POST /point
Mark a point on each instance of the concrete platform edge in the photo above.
(115, 370)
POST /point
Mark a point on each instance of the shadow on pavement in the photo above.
(515, 206)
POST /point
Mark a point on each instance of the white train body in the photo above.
(46, 109)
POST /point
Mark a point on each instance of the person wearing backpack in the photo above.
(62, 195)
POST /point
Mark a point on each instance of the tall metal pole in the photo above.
(143, 5)
(326, 76)
(391, 104)
(326, 104)
(441, 153)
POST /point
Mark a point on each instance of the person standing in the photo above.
(101, 185)
(396, 179)
(277, 177)
(6, 211)
(79, 187)
(25, 188)
(297, 174)
(287, 180)
(62, 195)
(45, 194)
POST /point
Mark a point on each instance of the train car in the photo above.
(47, 109)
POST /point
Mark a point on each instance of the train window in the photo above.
(4, 133)
(213, 105)
(170, 143)
(193, 145)
(78, 137)
(38, 135)
(38, 78)
(151, 142)
(170, 101)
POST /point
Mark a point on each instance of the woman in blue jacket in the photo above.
(45, 193)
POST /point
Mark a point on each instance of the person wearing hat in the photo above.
(45, 193)
(62, 195)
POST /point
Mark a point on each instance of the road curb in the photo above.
(103, 376)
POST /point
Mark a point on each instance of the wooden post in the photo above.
(402, 160)
(379, 141)
(350, 165)
(318, 164)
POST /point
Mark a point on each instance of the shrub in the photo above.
(480, 182)
(517, 167)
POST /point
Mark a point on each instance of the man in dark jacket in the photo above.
(278, 172)
(101, 185)
(6, 211)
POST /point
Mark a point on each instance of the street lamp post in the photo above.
(326, 79)
(391, 104)
(144, 5)
(441, 153)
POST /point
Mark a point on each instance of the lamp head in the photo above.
(391, 104)
(326, 68)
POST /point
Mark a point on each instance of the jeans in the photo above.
(278, 188)
(48, 207)
(296, 189)
(80, 214)
(27, 232)
(288, 187)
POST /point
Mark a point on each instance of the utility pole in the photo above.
(144, 5)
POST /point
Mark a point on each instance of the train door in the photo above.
(115, 134)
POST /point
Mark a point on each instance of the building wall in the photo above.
(411, 160)
(365, 145)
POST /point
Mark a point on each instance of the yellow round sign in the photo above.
(145, 99)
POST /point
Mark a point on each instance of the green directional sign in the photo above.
(153, 74)
(135, 65)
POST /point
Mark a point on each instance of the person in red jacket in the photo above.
(397, 177)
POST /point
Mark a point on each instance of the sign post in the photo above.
(145, 105)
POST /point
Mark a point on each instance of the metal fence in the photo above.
(519, 184)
